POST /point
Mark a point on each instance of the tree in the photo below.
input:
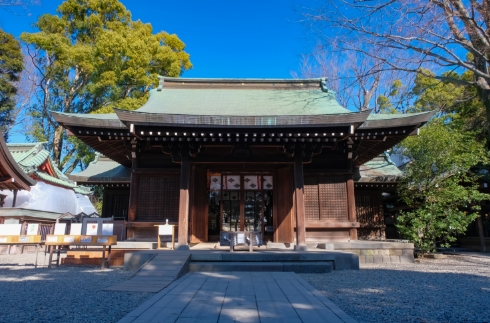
(93, 57)
(361, 82)
(11, 64)
(440, 183)
(410, 35)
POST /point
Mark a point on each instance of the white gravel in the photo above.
(63, 294)
(455, 289)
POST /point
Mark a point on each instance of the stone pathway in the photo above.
(275, 297)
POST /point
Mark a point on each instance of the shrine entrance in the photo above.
(240, 202)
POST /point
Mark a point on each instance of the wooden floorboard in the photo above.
(155, 275)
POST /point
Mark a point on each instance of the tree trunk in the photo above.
(58, 145)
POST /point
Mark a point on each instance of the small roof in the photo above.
(12, 176)
(29, 214)
(103, 170)
(379, 169)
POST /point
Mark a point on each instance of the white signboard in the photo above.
(102, 240)
(68, 239)
(10, 229)
(52, 239)
(32, 229)
(165, 230)
(76, 229)
(92, 229)
(86, 239)
(59, 229)
(107, 229)
(240, 238)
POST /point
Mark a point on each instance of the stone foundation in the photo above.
(375, 251)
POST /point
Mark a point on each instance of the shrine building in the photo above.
(281, 157)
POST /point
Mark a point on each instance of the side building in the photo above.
(214, 155)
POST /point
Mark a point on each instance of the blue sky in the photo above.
(231, 39)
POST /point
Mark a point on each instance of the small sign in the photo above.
(68, 239)
(23, 239)
(3, 239)
(76, 229)
(92, 229)
(102, 240)
(10, 229)
(107, 229)
(86, 239)
(52, 239)
(240, 238)
(32, 229)
(165, 230)
(59, 229)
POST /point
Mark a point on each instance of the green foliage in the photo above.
(445, 97)
(97, 198)
(440, 184)
(11, 64)
(92, 57)
(384, 103)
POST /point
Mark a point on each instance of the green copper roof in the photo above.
(23, 213)
(29, 156)
(103, 170)
(379, 169)
(242, 102)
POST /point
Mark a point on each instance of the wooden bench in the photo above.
(55, 242)
(22, 240)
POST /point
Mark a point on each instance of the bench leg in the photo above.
(37, 252)
(50, 256)
(102, 266)
(58, 256)
(109, 257)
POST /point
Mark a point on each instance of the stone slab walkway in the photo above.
(266, 297)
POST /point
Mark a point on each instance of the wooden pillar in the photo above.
(14, 200)
(351, 206)
(184, 202)
(300, 202)
(133, 204)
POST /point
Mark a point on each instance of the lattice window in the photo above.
(364, 209)
(158, 198)
(325, 198)
(333, 197)
(312, 205)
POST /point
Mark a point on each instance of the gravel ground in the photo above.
(455, 289)
(64, 294)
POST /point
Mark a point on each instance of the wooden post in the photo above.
(351, 206)
(300, 202)
(14, 198)
(133, 204)
(184, 203)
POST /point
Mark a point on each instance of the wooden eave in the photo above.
(81, 121)
(263, 122)
(12, 177)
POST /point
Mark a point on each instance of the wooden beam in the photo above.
(351, 207)
(332, 224)
(184, 202)
(300, 202)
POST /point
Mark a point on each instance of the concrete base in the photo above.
(134, 260)
(301, 248)
(378, 251)
(269, 266)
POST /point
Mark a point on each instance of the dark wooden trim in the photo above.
(157, 171)
(184, 201)
(300, 199)
(351, 207)
(332, 224)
